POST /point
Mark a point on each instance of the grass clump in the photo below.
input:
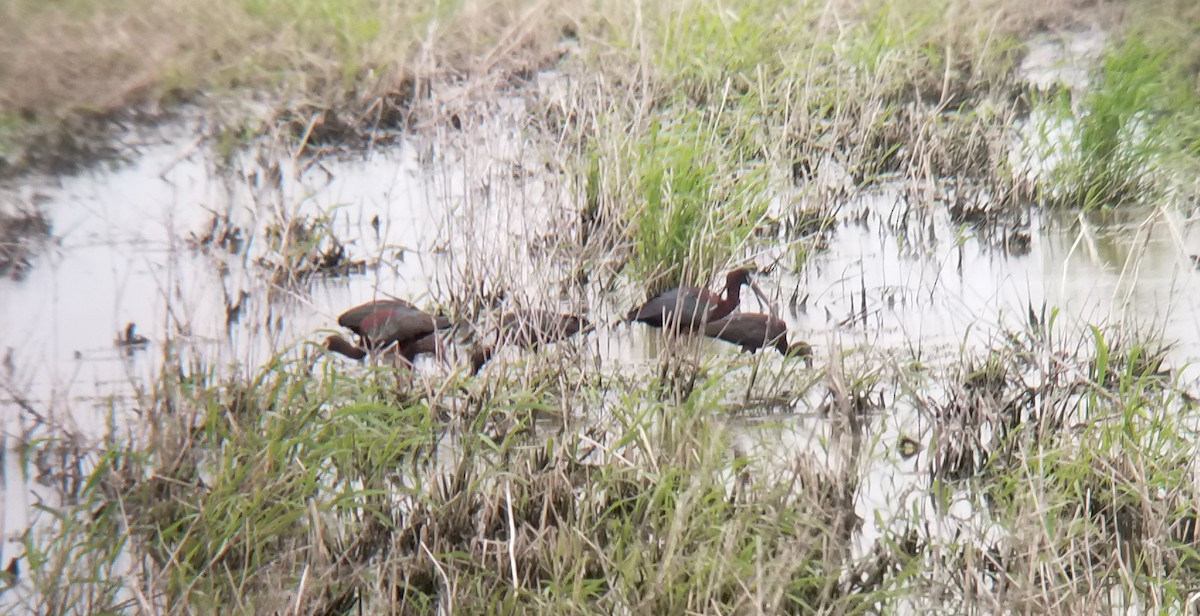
(728, 98)
(696, 205)
(1076, 472)
(302, 487)
(1129, 129)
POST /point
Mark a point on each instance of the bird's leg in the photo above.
(753, 377)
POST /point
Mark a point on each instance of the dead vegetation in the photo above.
(22, 230)
(70, 72)
(1052, 472)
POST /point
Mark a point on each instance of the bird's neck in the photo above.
(731, 297)
(480, 356)
(340, 345)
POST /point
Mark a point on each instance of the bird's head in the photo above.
(739, 276)
(745, 276)
(801, 350)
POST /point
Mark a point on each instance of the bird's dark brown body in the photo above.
(754, 331)
(531, 328)
(687, 309)
(384, 323)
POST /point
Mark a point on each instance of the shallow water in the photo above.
(933, 294)
(899, 278)
(121, 254)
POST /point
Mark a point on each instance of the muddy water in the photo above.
(942, 285)
(458, 212)
(121, 253)
(124, 250)
(940, 289)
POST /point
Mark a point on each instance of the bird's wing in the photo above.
(387, 326)
(353, 318)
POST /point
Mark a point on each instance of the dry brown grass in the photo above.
(71, 57)
(99, 57)
(55, 59)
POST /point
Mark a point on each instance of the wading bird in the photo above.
(385, 323)
(529, 328)
(686, 309)
(753, 331)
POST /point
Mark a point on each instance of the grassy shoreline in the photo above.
(66, 66)
(301, 486)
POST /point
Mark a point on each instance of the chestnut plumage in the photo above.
(385, 323)
(686, 309)
(753, 331)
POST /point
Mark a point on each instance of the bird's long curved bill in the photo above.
(762, 297)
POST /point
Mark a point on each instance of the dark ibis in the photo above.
(531, 328)
(385, 323)
(754, 331)
(688, 308)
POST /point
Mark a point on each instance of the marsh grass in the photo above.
(363, 60)
(1133, 131)
(1081, 475)
(685, 156)
(305, 247)
(303, 487)
(545, 484)
(697, 209)
(1118, 136)
(801, 79)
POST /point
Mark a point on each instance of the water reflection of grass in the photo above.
(300, 485)
(307, 485)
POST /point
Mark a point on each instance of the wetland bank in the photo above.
(981, 215)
